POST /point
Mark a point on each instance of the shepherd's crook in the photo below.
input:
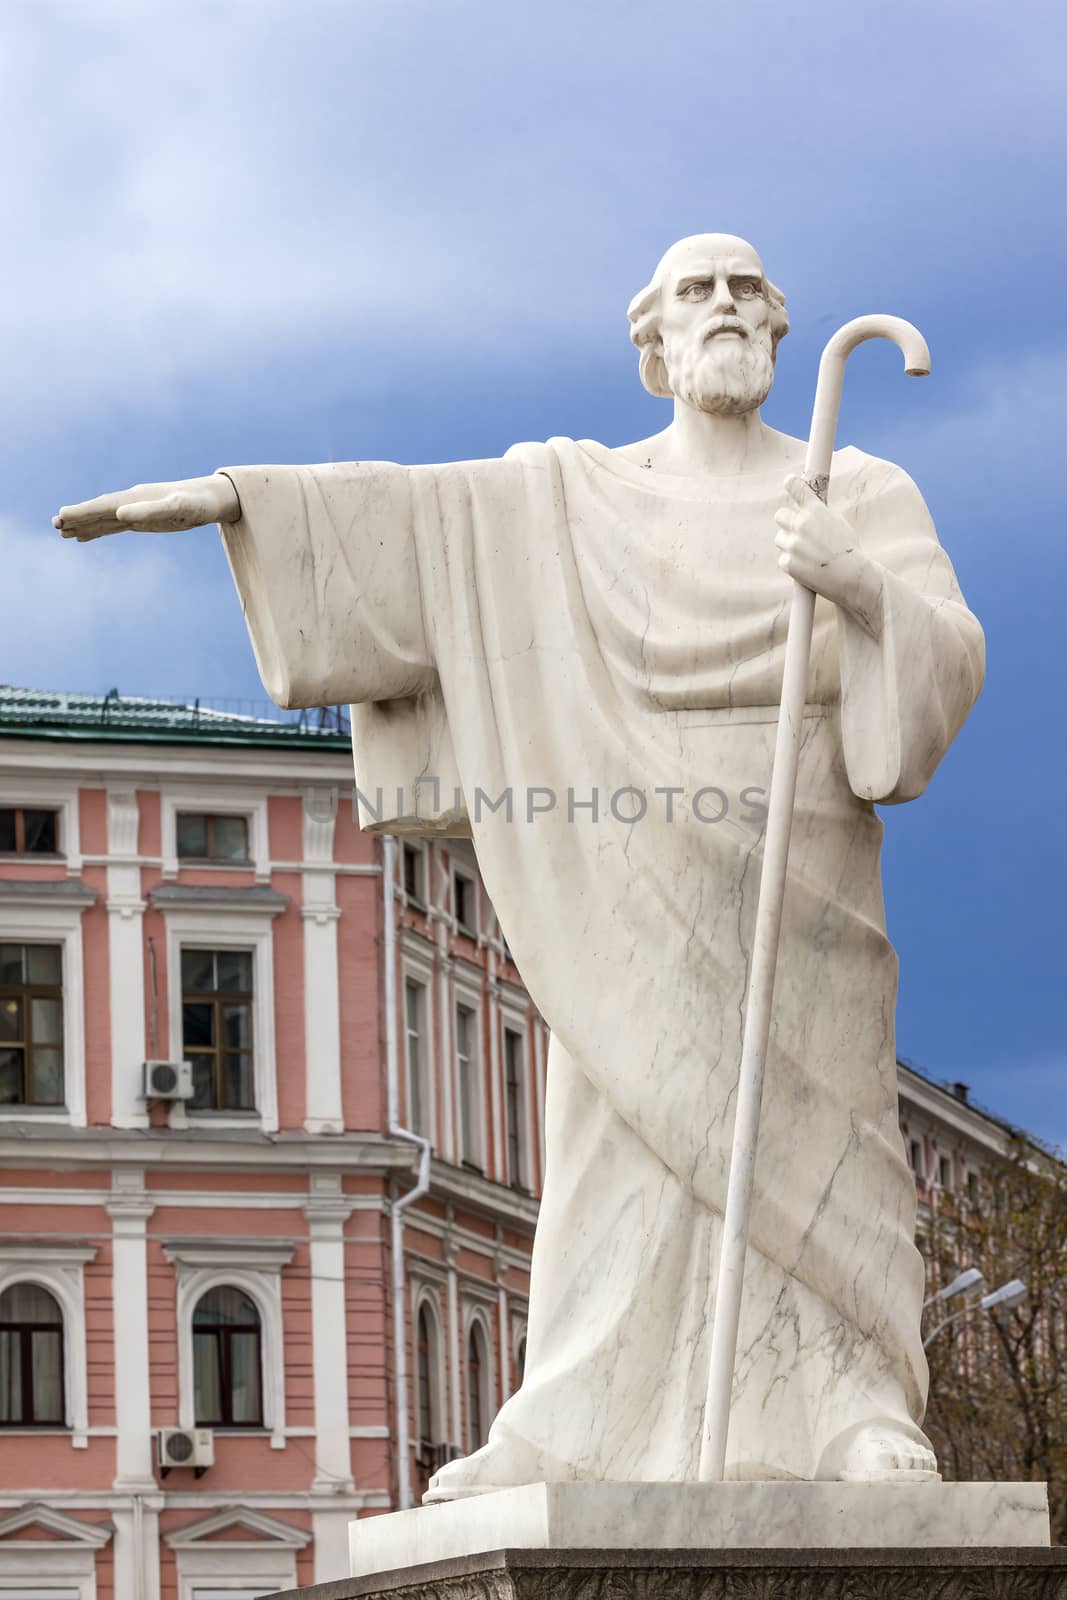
(772, 886)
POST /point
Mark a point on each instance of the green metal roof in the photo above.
(48, 714)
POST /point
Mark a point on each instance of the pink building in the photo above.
(228, 1250)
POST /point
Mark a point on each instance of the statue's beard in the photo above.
(723, 376)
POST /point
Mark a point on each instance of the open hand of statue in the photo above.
(152, 508)
(818, 548)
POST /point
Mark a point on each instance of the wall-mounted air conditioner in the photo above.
(168, 1080)
(186, 1447)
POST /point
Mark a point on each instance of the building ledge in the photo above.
(47, 892)
(209, 897)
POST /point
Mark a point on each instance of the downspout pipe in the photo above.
(422, 1181)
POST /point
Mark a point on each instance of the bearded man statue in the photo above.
(607, 627)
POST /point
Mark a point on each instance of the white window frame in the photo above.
(517, 1022)
(48, 919)
(413, 969)
(424, 1297)
(244, 928)
(471, 929)
(46, 794)
(228, 802)
(470, 999)
(419, 847)
(59, 1268)
(201, 1265)
(476, 1316)
(238, 1567)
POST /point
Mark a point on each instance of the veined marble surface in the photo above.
(721, 1516)
(600, 633)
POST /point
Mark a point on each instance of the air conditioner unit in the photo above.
(168, 1080)
(186, 1447)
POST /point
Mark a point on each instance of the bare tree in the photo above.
(998, 1378)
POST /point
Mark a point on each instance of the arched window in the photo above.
(426, 1372)
(227, 1366)
(31, 1358)
(477, 1388)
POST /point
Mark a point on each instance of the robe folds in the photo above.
(563, 623)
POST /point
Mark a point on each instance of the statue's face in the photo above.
(716, 324)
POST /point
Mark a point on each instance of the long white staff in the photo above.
(772, 885)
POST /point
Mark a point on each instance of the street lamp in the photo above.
(1009, 1294)
(971, 1278)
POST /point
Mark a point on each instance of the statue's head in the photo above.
(708, 325)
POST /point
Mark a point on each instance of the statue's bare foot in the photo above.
(879, 1452)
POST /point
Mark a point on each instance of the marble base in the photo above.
(1004, 1574)
(696, 1516)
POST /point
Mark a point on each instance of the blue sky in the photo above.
(394, 229)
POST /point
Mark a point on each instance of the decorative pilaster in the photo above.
(322, 987)
(500, 1273)
(491, 992)
(125, 909)
(129, 1209)
(327, 1210)
(455, 1338)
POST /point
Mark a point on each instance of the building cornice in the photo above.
(95, 762)
(947, 1109)
(192, 1150)
(493, 1200)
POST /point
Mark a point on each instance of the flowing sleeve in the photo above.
(905, 695)
(325, 565)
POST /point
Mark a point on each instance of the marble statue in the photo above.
(597, 634)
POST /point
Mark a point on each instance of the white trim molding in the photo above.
(221, 919)
(50, 912)
(59, 1268)
(254, 1266)
(234, 802)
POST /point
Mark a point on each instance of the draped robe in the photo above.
(564, 620)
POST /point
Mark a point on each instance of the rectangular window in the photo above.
(944, 1171)
(25, 830)
(463, 905)
(414, 887)
(31, 1025)
(514, 1099)
(470, 1144)
(217, 1028)
(212, 836)
(417, 1055)
(915, 1151)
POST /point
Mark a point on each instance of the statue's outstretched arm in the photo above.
(152, 508)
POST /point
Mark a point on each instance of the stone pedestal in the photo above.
(753, 1541)
(974, 1574)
